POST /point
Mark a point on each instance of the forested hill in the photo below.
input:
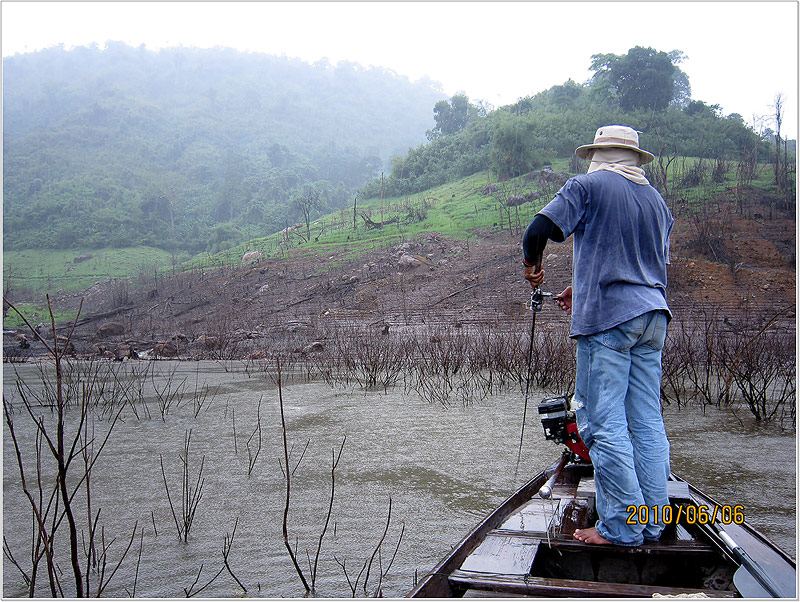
(644, 88)
(189, 149)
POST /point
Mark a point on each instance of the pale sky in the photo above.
(740, 54)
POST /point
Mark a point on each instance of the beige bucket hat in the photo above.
(617, 136)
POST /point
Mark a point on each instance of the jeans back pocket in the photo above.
(623, 336)
(655, 332)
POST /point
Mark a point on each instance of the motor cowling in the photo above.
(560, 425)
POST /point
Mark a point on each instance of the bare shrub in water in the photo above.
(227, 546)
(765, 376)
(447, 364)
(378, 361)
(486, 359)
(698, 346)
(362, 356)
(254, 441)
(717, 361)
(704, 361)
(170, 394)
(56, 470)
(441, 367)
(554, 360)
(762, 366)
(674, 378)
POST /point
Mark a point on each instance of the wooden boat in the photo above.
(525, 548)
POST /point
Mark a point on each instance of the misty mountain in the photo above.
(190, 149)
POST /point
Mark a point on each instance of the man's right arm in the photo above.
(535, 238)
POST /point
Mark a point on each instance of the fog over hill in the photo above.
(190, 149)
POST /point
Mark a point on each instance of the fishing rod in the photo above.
(537, 301)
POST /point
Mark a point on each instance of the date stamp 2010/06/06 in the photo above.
(691, 514)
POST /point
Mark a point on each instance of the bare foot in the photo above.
(590, 536)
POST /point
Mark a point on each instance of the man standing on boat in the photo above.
(621, 226)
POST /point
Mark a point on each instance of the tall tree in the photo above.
(643, 78)
(451, 116)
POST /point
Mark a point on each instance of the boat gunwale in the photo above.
(749, 528)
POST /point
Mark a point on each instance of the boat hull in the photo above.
(525, 548)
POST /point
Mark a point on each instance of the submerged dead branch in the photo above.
(190, 495)
(366, 567)
(255, 440)
(334, 463)
(288, 477)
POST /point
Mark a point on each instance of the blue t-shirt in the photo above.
(621, 248)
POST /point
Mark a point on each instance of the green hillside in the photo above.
(471, 207)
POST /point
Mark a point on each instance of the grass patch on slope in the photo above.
(31, 274)
(458, 210)
(39, 271)
(36, 313)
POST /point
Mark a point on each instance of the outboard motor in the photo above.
(559, 424)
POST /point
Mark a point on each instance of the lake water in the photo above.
(442, 468)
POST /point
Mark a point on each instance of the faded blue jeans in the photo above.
(618, 410)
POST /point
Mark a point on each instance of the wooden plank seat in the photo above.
(503, 553)
(678, 491)
(528, 585)
(664, 546)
